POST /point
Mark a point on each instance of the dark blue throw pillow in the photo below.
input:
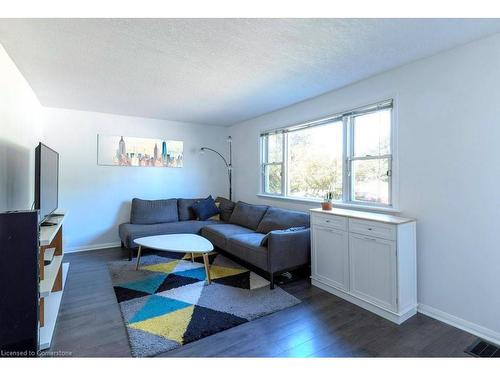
(206, 208)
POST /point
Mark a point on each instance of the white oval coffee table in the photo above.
(179, 243)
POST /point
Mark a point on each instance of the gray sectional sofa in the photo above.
(269, 240)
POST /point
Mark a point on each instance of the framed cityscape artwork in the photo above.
(118, 150)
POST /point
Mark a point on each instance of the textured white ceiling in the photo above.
(215, 71)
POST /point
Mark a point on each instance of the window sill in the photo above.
(316, 202)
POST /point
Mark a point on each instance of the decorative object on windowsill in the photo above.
(229, 165)
(327, 203)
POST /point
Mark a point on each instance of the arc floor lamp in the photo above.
(229, 164)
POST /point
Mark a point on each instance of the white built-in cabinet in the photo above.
(366, 258)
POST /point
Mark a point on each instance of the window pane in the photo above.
(272, 179)
(370, 180)
(315, 161)
(372, 133)
(275, 148)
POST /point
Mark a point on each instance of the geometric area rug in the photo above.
(167, 303)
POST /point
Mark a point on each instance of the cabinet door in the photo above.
(373, 270)
(330, 260)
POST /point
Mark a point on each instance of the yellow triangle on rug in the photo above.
(217, 272)
(171, 326)
(162, 267)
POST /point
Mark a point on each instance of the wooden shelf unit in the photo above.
(52, 277)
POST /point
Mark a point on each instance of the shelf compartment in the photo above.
(48, 254)
(50, 275)
(51, 305)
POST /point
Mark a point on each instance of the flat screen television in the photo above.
(46, 181)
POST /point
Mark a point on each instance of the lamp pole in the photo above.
(229, 165)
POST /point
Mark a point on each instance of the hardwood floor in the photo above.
(90, 325)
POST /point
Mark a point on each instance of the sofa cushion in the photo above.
(129, 232)
(185, 208)
(277, 218)
(247, 247)
(153, 211)
(265, 239)
(248, 215)
(219, 234)
(206, 208)
(226, 208)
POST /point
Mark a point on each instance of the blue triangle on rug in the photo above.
(156, 306)
(196, 273)
(148, 285)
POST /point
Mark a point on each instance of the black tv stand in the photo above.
(19, 300)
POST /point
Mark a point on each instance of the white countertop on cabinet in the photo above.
(355, 214)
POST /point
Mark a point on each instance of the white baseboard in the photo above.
(77, 249)
(475, 329)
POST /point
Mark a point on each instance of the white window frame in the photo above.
(348, 158)
(265, 163)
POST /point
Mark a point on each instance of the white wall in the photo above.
(20, 131)
(449, 163)
(98, 197)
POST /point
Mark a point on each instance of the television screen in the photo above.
(46, 180)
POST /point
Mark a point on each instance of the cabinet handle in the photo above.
(370, 238)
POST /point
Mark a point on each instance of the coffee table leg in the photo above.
(207, 270)
(192, 257)
(138, 258)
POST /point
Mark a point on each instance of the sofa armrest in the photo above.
(123, 233)
(288, 249)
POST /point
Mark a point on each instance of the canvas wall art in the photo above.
(125, 151)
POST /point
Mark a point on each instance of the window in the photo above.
(273, 163)
(349, 154)
(315, 161)
(370, 159)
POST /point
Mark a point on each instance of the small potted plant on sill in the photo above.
(327, 203)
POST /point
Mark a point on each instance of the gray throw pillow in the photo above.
(265, 239)
(226, 208)
(247, 215)
(277, 218)
(154, 211)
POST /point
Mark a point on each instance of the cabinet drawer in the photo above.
(372, 228)
(330, 221)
